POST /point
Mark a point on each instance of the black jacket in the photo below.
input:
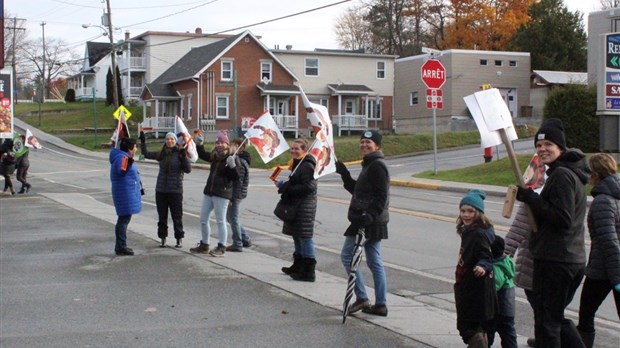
(604, 228)
(221, 177)
(301, 190)
(560, 210)
(370, 194)
(172, 166)
(240, 186)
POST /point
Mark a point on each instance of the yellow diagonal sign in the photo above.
(117, 113)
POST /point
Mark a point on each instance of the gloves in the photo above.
(365, 219)
(280, 184)
(524, 195)
(199, 139)
(341, 168)
(183, 152)
(142, 137)
(230, 162)
(617, 287)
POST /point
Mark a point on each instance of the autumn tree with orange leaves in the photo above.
(484, 24)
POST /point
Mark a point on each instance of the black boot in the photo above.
(294, 267)
(28, 186)
(163, 243)
(306, 270)
(587, 338)
(22, 191)
(179, 243)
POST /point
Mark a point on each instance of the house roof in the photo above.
(160, 91)
(270, 88)
(96, 51)
(350, 89)
(562, 77)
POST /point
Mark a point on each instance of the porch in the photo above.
(349, 123)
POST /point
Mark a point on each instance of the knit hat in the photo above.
(552, 130)
(372, 135)
(222, 136)
(474, 198)
(497, 248)
(173, 135)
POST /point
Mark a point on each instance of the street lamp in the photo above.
(107, 32)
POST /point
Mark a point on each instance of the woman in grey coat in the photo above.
(300, 190)
(603, 269)
(173, 163)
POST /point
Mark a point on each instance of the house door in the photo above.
(510, 98)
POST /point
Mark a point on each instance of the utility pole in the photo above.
(15, 29)
(112, 57)
(44, 81)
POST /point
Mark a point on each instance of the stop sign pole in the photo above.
(434, 76)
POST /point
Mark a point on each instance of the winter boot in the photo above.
(587, 338)
(570, 336)
(22, 191)
(179, 243)
(294, 267)
(201, 248)
(479, 340)
(306, 270)
(163, 243)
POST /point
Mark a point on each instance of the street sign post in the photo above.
(434, 76)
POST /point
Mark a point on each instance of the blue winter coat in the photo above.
(125, 184)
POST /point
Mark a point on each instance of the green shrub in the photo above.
(575, 105)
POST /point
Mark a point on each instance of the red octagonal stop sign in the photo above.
(433, 74)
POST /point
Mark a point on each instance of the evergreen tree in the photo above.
(109, 94)
(118, 87)
(554, 36)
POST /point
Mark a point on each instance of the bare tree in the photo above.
(607, 4)
(352, 31)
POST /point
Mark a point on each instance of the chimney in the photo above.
(289, 47)
(198, 30)
(126, 35)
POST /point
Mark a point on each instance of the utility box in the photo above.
(609, 133)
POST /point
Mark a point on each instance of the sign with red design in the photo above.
(434, 99)
(613, 90)
(433, 74)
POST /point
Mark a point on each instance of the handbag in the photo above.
(285, 211)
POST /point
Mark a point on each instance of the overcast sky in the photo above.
(64, 18)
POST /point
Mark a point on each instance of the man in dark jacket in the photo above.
(368, 210)
(558, 246)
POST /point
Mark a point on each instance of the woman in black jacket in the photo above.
(173, 164)
(7, 164)
(300, 190)
(369, 209)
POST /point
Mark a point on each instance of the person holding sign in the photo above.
(558, 245)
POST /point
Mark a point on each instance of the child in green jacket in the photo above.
(504, 270)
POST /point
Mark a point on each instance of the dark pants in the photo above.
(555, 284)
(505, 319)
(22, 173)
(174, 203)
(121, 232)
(593, 294)
(467, 329)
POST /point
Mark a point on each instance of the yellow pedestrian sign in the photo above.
(122, 108)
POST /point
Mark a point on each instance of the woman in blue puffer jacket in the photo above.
(126, 191)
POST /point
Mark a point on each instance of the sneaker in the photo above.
(377, 309)
(247, 243)
(219, 251)
(360, 304)
(124, 252)
(201, 248)
(234, 248)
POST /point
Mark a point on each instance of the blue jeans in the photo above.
(372, 249)
(220, 205)
(239, 235)
(304, 247)
(121, 232)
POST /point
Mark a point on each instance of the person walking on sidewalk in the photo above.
(369, 209)
(503, 272)
(240, 237)
(474, 286)
(217, 192)
(7, 164)
(558, 246)
(603, 270)
(173, 165)
(23, 164)
(301, 191)
(126, 191)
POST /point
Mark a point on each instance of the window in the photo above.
(311, 66)
(484, 62)
(499, 62)
(512, 63)
(413, 98)
(349, 107)
(320, 101)
(265, 71)
(189, 106)
(182, 107)
(380, 70)
(374, 109)
(222, 106)
(227, 70)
